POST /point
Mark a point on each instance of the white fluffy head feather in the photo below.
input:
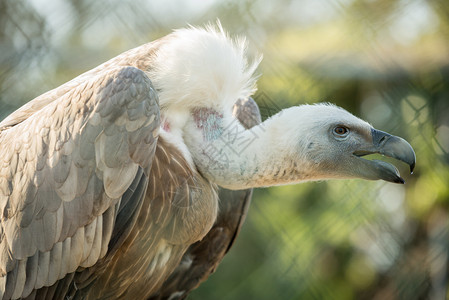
(202, 67)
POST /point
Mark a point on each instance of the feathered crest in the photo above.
(203, 67)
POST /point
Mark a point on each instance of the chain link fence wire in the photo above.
(386, 61)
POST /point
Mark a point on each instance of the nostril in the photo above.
(379, 137)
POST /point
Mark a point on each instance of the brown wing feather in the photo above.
(65, 167)
(202, 258)
(179, 208)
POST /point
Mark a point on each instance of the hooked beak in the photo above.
(391, 146)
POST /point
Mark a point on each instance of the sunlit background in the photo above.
(386, 61)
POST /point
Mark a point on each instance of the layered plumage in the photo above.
(108, 183)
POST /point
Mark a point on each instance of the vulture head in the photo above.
(331, 143)
(201, 73)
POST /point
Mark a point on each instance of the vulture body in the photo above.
(108, 183)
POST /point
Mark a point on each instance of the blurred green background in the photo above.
(386, 61)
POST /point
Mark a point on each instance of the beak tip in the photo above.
(395, 147)
(399, 180)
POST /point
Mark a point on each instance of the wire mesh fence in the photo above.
(383, 60)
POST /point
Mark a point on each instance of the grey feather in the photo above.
(76, 249)
(15, 239)
(42, 273)
(11, 282)
(47, 199)
(27, 209)
(31, 274)
(62, 169)
(108, 226)
(2, 286)
(20, 279)
(128, 210)
(86, 141)
(89, 235)
(65, 258)
(55, 264)
(112, 149)
(49, 229)
(6, 259)
(94, 253)
(68, 190)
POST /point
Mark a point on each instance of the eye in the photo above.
(341, 131)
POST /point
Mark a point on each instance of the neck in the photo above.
(236, 158)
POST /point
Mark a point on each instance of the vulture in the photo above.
(132, 180)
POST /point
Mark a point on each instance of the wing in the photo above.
(64, 170)
(203, 257)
